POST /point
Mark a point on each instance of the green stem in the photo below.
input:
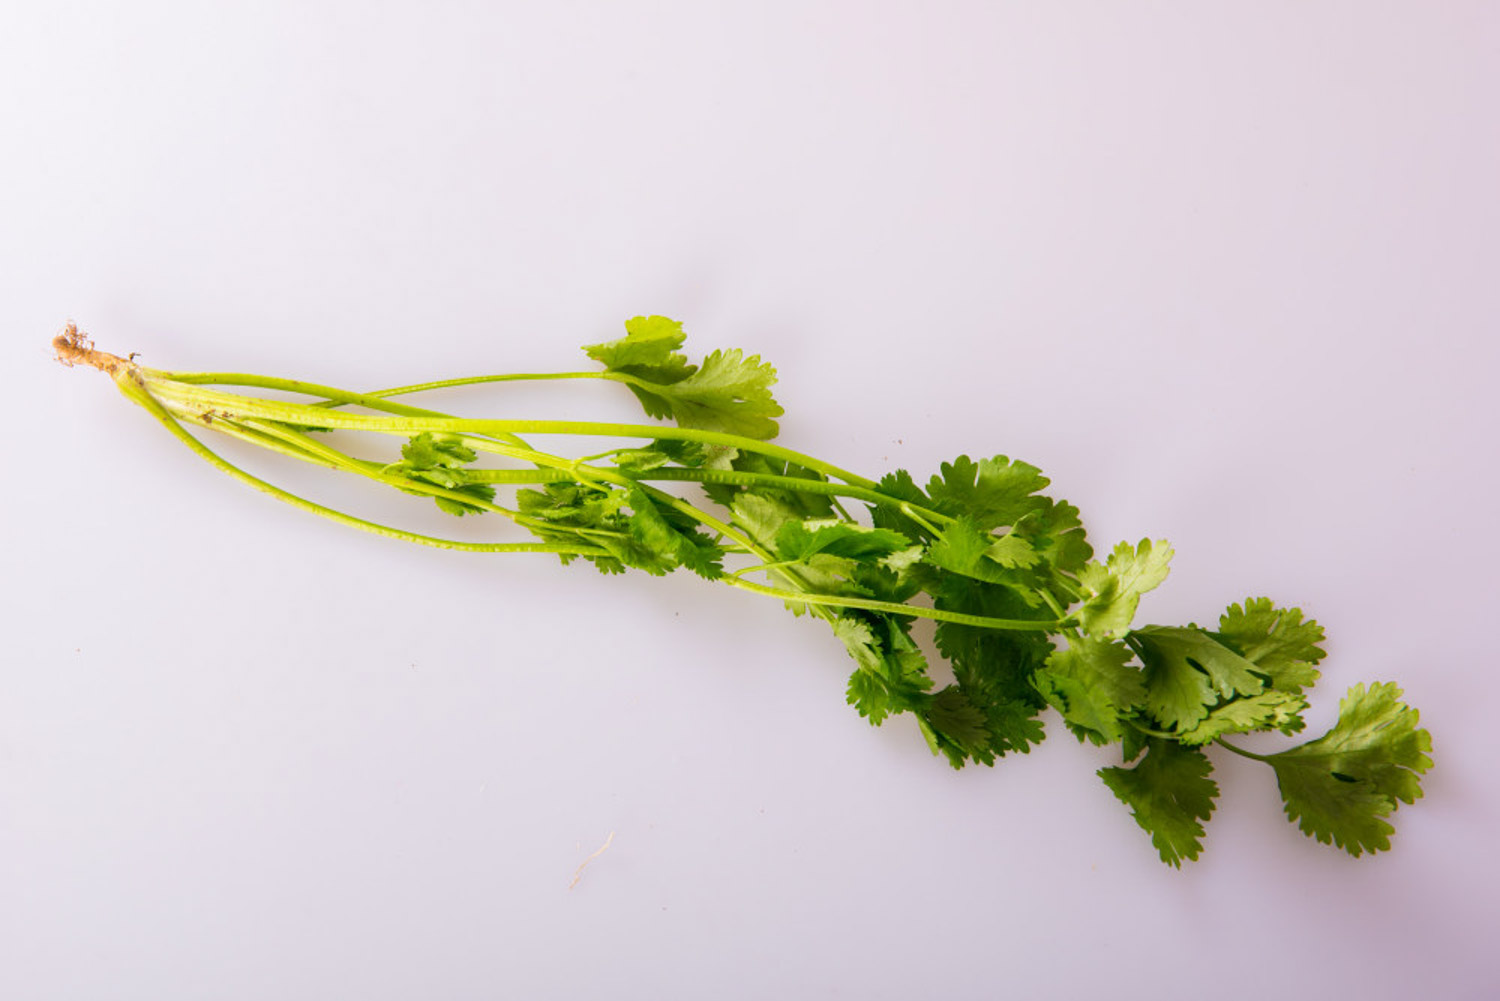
(185, 398)
(727, 477)
(770, 567)
(742, 539)
(477, 380)
(1148, 731)
(245, 433)
(894, 608)
(1241, 751)
(329, 395)
(517, 477)
(240, 410)
(911, 511)
(1164, 735)
(733, 477)
(1069, 628)
(320, 452)
(196, 402)
(135, 391)
(210, 406)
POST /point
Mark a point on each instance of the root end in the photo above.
(73, 347)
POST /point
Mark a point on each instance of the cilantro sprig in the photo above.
(1027, 617)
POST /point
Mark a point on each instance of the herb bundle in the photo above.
(1026, 615)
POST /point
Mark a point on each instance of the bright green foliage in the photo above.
(1188, 672)
(964, 549)
(1277, 641)
(1111, 590)
(575, 514)
(1170, 795)
(664, 452)
(955, 727)
(892, 673)
(802, 540)
(763, 517)
(995, 668)
(1267, 710)
(728, 392)
(1342, 786)
(1094, 685)
(990, 493)
(439, 460)
(901, 489)
(648, 351)
(1027, 620)
(668, 539)
(1057, 536)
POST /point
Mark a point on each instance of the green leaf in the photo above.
(573, 514)
(802, 540)
(1092, 682)
(868, 694)
(1057, 535)
(454, 506)
(648, 350)
(994, 668)
(991, 492)
(964, 549)
(955, 728)
(798, 503)
(892, 673)
(729, 393)
(763, 516)
(1188, 672)
(662, 452)
(901, 488)
(1112, 590)
(1170, 795)
(439, 460)
(1277, 641)
(670, 539)
(1340, 788)
(431, 451)
(1270, 710)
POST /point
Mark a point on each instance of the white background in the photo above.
(1227, 272)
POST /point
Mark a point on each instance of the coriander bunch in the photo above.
(1027, 616)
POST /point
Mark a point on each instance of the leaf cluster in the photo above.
(725, 392)
(1028, 619)
(443, 461)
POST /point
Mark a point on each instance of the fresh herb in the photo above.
(1026, 616)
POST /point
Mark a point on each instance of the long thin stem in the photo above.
(138, 393)
(327, 395)
(795, 484)
(1166, 735)
(852, 486)
(895, 608)
(1148, 731)
(210, 406)
(261, 416)
(189, 398)
(479, 380)
(198, 402)
(1241, 751)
